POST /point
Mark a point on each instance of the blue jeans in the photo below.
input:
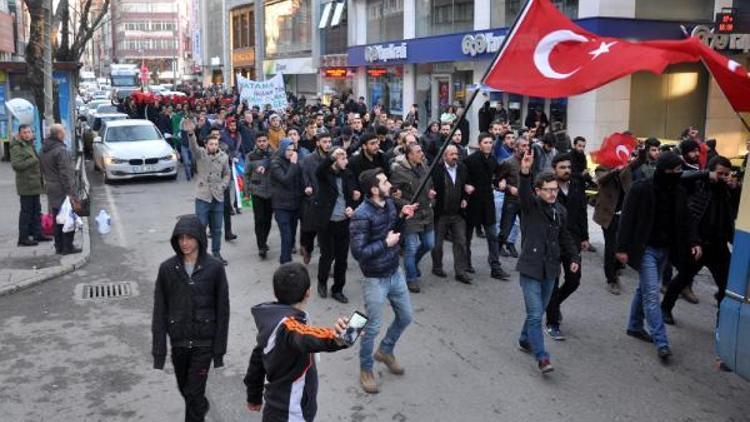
(536, 295)
(516, 230)
(187, 161)
(211, 215)
(416, 245)
(645, 302)
(287, 221)
(376, 291)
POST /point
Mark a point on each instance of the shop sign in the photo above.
(245, 57)
(478, 44)
(377, 72)
(335, 72)
(384, 53)
(295, 66)
(722, 41)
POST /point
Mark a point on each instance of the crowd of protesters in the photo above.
(349, 178)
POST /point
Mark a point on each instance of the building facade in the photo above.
(433, 54)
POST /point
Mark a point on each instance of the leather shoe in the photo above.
(688, 295)
(413, 287)
(27, 242)
(500, 274)
(512, 250)
(471, 270)
(70, 251)
(439, 272)
(44, 238)
(339, 296)
(664, 353)
(640, 335)
(305, 255)
(667, 317)
(322, 290)
(463, 278)
(230, 237)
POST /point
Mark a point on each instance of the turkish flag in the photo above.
(547, 55)
(615, 150)
(733, 79)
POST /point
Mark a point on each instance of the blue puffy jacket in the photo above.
(367, 232)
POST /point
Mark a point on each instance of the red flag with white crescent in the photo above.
(615, 150)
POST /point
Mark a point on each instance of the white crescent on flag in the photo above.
(622, 152)
(545, 47)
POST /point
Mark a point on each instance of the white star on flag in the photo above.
(603, 48)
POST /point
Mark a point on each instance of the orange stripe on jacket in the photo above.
(292, 324)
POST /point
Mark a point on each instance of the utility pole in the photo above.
(48, 89)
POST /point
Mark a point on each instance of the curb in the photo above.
(58, 271)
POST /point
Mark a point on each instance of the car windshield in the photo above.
(109, 118)
(132, 133)
(93, 105)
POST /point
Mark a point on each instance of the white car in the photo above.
(105, 109)
(92, 105)
(133, 148)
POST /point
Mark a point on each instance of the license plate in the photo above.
(142, 169)
(136, 169)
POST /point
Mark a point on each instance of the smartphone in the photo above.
(354, 328)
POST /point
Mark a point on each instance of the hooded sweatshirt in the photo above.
(286, 180)
(284, 356)
(193, 310)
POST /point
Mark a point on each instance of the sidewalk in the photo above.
(22, 267)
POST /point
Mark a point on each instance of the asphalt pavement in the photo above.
(63, 358)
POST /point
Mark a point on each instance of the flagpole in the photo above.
(454, 126)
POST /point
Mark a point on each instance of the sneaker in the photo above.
(640, 335)
(688, 295)
(524, 346)
(389, 361)
(545, 366)
(463, 278)
(367, 379)
(512, 250)
(614, 288)
(439, 272)
(413, 286)
(218, 256)
(664, 353)
(555, 333)
(500, 274)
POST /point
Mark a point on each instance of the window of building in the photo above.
(288, 28)
(675, 10)
(334, 37)
(236, 42)
(435, 17)
(504, 12)
(385, 20)
(244, 29)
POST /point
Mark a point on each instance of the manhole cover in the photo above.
(101, 291)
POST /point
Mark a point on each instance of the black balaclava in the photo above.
(667, 161)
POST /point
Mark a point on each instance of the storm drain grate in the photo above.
(107, 291)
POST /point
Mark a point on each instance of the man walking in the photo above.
(408, 172)
(449, 179)
(309, 167)
(59, 177)
(330, 211)
(375, 246)
(481, 167)
(286, 195)
(571, 196)
(258, 177)
(29, 185)
(508, 172)
(191, 306)
(655, 224)
(212, 180)
(546, 243)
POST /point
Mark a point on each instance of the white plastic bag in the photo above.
(65, 210)
(103, 222)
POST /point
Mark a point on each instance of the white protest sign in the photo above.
(260, 93)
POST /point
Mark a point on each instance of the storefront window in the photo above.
(287, 25)
(504, 12)
(385, 87)
(435, 17)
(334, 34)
(385, 20)
(675, 10)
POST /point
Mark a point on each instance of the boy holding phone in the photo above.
(285, 350)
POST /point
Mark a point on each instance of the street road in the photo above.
(65, 359)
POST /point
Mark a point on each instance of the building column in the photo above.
(260, 38)
(482, 15)
(409, 91)
(357, 35)
(360, 83)
(472, 115)
(410, 19)
(599, 113)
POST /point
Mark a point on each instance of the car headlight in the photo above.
(170, 157)
(114, 160)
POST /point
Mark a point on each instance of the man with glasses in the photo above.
(572, 196)
(547, 242)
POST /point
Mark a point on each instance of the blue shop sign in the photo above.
(481, 45)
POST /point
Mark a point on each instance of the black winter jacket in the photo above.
(324, 199)
(481, 170)
(576, 203)
(284, 356)
(192, 310)
(545, 235)
(638, 217)
(439, 173)
(286, 183)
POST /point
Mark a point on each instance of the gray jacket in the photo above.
(406, 178)
(259, 184)
(58, 171)
(213, 172)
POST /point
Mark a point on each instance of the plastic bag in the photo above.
(103, 222)
(65, 210)
(48, 224)
(68, 218)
